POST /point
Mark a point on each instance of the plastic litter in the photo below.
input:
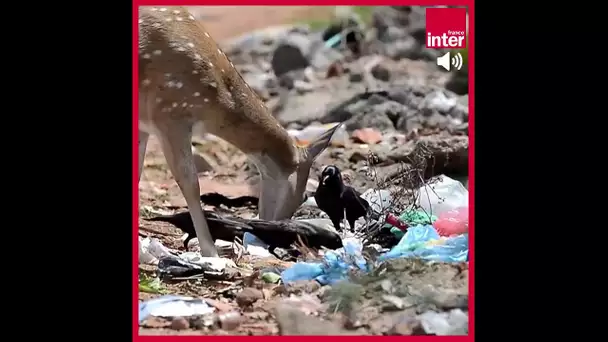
(424, 242)
(150, 250)
(271, 277)
(304, 136)
(254, 246)
(452, 323)
(335, 266)
(173, 266)
(173, 306)
(453, 222)
(444, 195)
(207, 263)
(408, 218)
(378, 200)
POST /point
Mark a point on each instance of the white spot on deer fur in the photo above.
(163, 9)
(146, 56)
(211, 64)
(179, 18)
(140, 21)
(184, 104)
(181, 49)
(207, 34)
(190, 106)
(157, 52)
(159, 100)
(175, 12)
(197, 94)
(157, 25)
(146, 82)
(167, 75)
(179, 85)
(197, 56)
(194, 72)
(191, 17)
(222, 70)
(190, 45)
(170, 84)
(168, 19)
(213, 84)
(174, 104)
(154, 9)
(219, 51)
(206, 100)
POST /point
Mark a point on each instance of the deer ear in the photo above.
(320, 143)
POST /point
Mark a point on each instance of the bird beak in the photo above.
(324, 179)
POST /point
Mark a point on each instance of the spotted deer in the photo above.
(186, 79)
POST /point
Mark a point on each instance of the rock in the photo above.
(407, 326)
(370, 119)
(259, 83)
(248, 296)
(355, 77)
(179, 323)
(292, 321)
(288, 57)
(448, 154)
(367, 136)
(303, 86)
(458, 82)
(381, 72)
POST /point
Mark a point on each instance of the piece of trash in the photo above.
(395, 222)
(173, 306)
(378, 200)
(254, 246)
(151, 285)
(271, 277)
(453, 222)
(209, 264)
(150, 250)
(310, 201)
(174, 267)
(367, 136)
(302, 271)
(424, 242)
(305, 136)
(452, 323)
(444, 195)
(335, 267)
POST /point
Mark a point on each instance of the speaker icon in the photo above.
(445, 61)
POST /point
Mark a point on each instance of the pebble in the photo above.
(179, 323)
(248, 296)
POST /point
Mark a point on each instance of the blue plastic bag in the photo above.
(335, 266)
(415, 244)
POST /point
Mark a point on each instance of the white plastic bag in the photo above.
(443, 195)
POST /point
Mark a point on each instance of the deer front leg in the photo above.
(176, 140)
(143, 142)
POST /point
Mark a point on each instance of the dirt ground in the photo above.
(232, 176)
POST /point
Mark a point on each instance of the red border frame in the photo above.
(471, 57)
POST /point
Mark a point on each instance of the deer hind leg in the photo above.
(175, 139)
(143, 143)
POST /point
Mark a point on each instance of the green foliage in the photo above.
(364, 12)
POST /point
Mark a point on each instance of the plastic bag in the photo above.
(444, 195)
(453, 222)
(424, 242)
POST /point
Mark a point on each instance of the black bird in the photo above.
(276, 234)
(333, 197)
